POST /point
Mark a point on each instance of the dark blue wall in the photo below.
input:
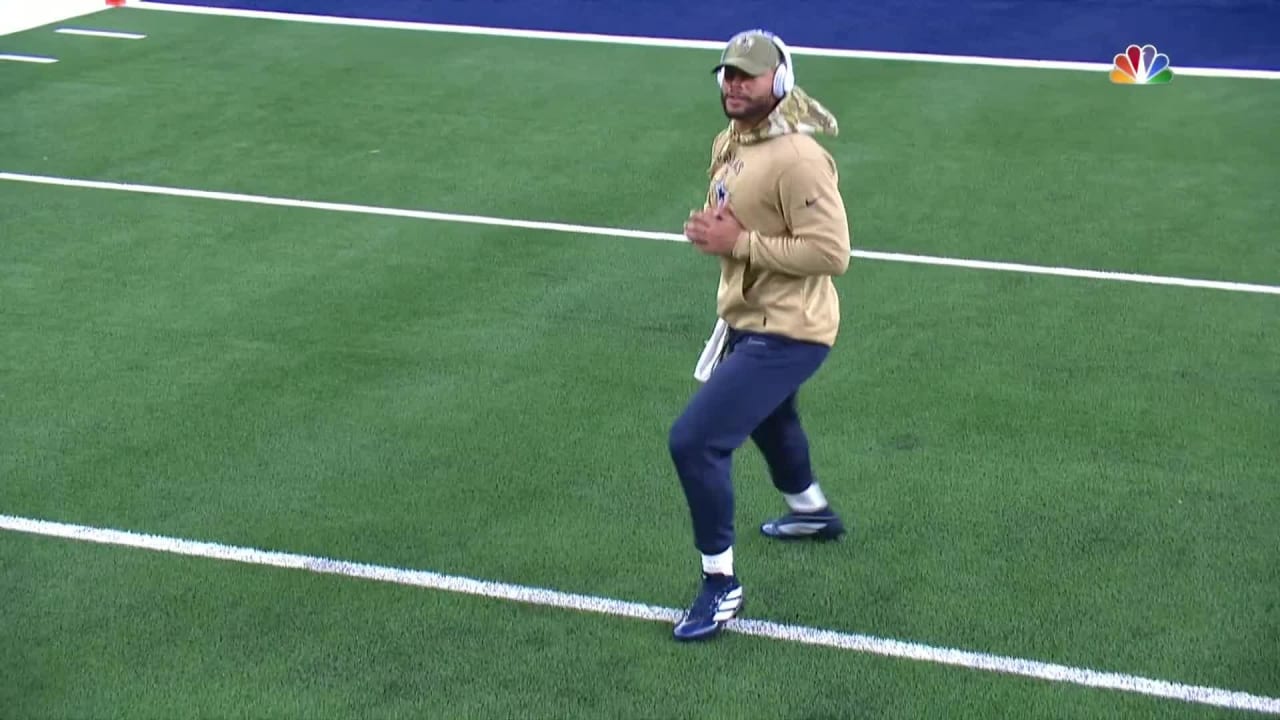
(1207, 33)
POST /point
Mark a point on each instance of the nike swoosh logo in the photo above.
(810, 203)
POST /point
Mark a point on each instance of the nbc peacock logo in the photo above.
(1141, 66)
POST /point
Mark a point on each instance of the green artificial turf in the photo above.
(1062, 469)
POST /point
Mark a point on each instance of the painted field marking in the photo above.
(621, 608)
(100, 33)
(28, 58)
(679, 43)
(624, 233)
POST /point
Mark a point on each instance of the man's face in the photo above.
(745, 97)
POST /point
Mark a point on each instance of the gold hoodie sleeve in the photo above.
(818, 242)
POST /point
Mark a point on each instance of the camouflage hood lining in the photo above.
(797, 113)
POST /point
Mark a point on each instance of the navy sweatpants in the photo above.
(751, 394)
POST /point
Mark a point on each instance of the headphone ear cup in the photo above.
(784, 80)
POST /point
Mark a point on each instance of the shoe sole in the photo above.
(821, 535)
(701, 637)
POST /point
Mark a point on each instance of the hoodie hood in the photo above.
(796, 113)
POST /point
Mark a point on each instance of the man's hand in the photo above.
(713, 231)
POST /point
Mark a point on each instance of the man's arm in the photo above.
(818, 243)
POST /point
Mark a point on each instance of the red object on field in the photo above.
(115, 3)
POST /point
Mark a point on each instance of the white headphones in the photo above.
(784, 80)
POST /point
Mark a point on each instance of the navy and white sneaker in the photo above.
(822, 524)
(719, 601)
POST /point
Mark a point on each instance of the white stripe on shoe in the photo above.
(729, 606)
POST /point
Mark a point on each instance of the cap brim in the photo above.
(746, 67)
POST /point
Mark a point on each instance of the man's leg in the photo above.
(757, 375)
(785, 447)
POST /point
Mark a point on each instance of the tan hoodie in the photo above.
(783, 187)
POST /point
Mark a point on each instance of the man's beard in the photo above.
(753, 113)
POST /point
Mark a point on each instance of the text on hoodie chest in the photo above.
(742, 182)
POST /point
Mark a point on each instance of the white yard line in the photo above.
(621, 608)
(28, 58)
(100, 33)
(690, 44)
(623, 233)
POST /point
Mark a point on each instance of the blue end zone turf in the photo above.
(1202, 33)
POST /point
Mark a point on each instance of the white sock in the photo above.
(810, 500)
(721, 564)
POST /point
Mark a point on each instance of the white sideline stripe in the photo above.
(686, 44)
(1071, 272)
(338, 207)
(619, 608)
(623, 233)
(28, 58)
(100, 33)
